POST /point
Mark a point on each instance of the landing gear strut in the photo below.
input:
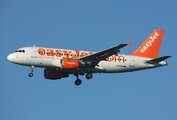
(78, 81)
(31, 71)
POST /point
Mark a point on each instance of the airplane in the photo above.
(60, 63)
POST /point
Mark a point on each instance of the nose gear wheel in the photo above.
(31, 71)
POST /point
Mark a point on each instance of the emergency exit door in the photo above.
(33, 52)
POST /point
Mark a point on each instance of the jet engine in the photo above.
(68, 64)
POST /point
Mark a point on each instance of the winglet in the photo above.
(129, 43)
(151, 46)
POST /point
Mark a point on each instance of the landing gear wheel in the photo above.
(89, 75)
(30, 74)
(78, 82)
(31, 71)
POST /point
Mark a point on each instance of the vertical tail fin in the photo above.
(151, 46)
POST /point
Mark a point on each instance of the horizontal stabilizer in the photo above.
(157, 60)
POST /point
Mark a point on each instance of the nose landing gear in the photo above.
(31, 71)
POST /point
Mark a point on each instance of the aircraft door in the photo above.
(132, 61)
(33, 52)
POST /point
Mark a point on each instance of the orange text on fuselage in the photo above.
(76, 54)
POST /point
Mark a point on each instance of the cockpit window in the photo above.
(22, 51)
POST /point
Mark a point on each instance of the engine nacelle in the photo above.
(54, 74)
(67, 64)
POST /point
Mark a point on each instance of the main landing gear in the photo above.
(79, 82)
(31, 71)
(89, 76)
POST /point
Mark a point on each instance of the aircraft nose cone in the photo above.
(10, 57)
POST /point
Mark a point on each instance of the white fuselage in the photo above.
(45, 57)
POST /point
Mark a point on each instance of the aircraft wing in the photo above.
(98, 56)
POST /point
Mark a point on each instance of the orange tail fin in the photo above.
(151, 46)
